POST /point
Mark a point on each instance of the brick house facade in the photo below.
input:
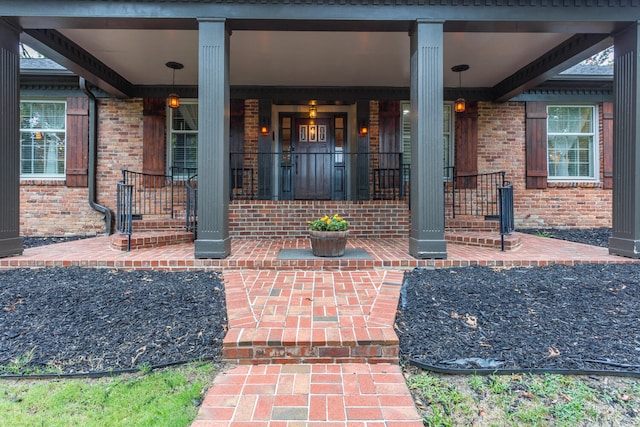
(53, 208)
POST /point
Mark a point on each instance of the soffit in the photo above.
(311, 58)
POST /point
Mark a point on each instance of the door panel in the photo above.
(313, 139)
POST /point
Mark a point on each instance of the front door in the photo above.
(312, 143)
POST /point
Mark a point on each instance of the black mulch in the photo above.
(81, 320)
(585, 317)
(590, 236)
(32, 242)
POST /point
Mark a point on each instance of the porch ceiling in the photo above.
(309, 58)
(504, 58)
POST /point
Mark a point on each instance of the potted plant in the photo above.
(328, 235)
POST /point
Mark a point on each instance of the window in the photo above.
(447, 137)
(183, 137)
(42, 139)
(571, 142)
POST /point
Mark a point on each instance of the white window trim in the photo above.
(169, 145)
(405, 116)
(596, 146)
(46, 176)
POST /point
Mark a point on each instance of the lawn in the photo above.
(168, 397)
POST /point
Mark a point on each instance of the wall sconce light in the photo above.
(460, 104)
(313, 110)
(364, 129)
(264, 130)
(173, 99)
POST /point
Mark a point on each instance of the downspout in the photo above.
(105, 211)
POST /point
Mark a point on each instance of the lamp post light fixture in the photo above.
(460, 104)
(173, 99)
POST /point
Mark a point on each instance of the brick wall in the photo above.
(50, 208)
(119, 145)
(501, 146)
(256, 219)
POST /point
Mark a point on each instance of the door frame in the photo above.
(301, 110)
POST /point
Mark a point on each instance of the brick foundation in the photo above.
(263, 219)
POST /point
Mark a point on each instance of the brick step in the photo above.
(483, 239)
(250, 346)
(150, 239)
(161, 222)
(472, 223)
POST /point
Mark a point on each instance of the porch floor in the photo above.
(263, 254)
(310, 340)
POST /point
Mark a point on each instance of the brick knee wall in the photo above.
(260, 219)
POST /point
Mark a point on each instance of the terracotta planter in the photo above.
(328, 243)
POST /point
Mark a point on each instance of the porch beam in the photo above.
(213, 140)
(427, 193)
(625, 236)
(65, 52)
(10, 240)
(558, 59)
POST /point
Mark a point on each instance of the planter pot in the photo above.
(328, 243)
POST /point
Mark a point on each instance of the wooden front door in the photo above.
(312, 143)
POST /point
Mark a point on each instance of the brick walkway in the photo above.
(310, 341)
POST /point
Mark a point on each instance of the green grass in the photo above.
(544, 234)
(20, 366)
(526, 400)
(160, 398)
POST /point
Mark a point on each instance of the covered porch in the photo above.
(433, 39)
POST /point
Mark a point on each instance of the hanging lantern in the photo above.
(173, 100)
(460, 104)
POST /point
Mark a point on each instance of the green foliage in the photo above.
(20, 366)
(443, 399)
(329, 223)
(525, 400)
(544, 234)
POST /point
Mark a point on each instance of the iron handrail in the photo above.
(191, 185)
(475, 194)
(124, 208)
(153, 194)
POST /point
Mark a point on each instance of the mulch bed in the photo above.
(559, 317)
(81, 320)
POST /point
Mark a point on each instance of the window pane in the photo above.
(42, 138)
(184, 139)
(571, 142)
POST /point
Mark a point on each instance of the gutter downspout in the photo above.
(107, 214)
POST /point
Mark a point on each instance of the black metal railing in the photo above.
(474, 195)
(153, 194)
(337, 175)
(124, 206)
(373, 176)
(507, 221)
(191, 185)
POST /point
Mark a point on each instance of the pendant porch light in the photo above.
(173, 99)
(460, 104)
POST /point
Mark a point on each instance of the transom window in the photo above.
(572, 145)
(183, 139)
(42, 139)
